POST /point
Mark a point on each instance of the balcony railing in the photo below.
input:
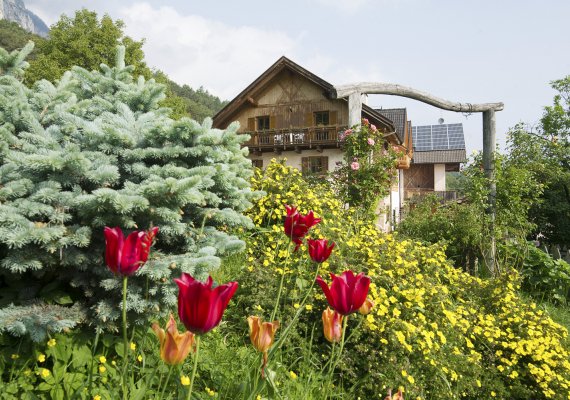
(445, 196)
(325, 136)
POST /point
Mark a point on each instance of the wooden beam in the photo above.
(252, 101)
(489, 144)
(404, 91)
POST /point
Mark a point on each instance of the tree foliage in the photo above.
(85, 41)
(546, 154)
(96, 150)
(13, 37)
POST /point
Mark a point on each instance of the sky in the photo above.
(465, 51)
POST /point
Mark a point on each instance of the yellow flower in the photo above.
(96, 397)
(296, 305)
(102, 360)
(308, 307)
(102, 369)
(210, 392)
(15, 356)
(44, 372)
(292, 375)
(184, 380)
(133, 346)
(41, 358)
(51, 343)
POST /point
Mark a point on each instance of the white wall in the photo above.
(294, 159)
(439, 177)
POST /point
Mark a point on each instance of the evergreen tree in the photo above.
(96, 150)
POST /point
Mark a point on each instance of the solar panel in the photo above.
(438, 137)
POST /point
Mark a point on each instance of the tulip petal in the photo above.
(113, 247)
(131, 259)
(360, 291)
(326, 290)
(342, 295)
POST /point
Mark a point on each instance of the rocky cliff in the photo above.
(15, 10)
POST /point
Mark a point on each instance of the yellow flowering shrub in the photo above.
(436, 331)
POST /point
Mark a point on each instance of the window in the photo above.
(257, 163)
(263, 123)
(321, 118)
(315, 165)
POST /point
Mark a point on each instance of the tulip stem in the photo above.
(188, 397)
(274, 313)
(125, 340)
(166, 383)
(335, 363)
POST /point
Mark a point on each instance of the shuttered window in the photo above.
(315, 165)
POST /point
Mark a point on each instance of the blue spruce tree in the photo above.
(96, 150)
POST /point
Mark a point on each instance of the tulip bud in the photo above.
(262, 333)
(174, 347)
(366, 307)
(332, 325)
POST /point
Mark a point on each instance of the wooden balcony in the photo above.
(317, 137)
(418, 193)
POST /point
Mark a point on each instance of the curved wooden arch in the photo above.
(355, 91)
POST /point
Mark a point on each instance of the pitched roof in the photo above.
(439, 156)
(282, 63)
(398, 116)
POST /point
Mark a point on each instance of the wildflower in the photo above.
(102, 369)
(347, 292)
(15, 356)
(200, 307)
(371, 141)
(355, 165)
(296, 305)
(366, 306)
(133, 346)
(139, 358)
(184, 380)
(293, 375)
(332, 325)
(296, 225)
(51, 342)
(210, 392)
(44, 372)
(102, 360)
(319, 250)
(125, 257)
(174, 347)
(308, 307)
(41, 358)
(96, 397)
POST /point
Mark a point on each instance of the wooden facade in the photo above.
(290, 109)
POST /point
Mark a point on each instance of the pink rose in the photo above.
(365, 121)
(347, 132)
(371, 141)
(373, 127)
(355, 166)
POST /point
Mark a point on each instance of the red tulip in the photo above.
(319, 249)
(125, 257)
(347, 292)
(296, 225)
(200, 307)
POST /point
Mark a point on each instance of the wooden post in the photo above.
(489, 144)
(354, 109)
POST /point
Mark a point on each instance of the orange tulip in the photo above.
(332, 325)
(261, 335)
(397, 396)
(174, 347)
(366, 307)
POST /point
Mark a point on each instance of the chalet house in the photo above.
(291, 113)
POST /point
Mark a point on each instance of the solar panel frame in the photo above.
(438, 137)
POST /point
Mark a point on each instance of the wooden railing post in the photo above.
(489, 144)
